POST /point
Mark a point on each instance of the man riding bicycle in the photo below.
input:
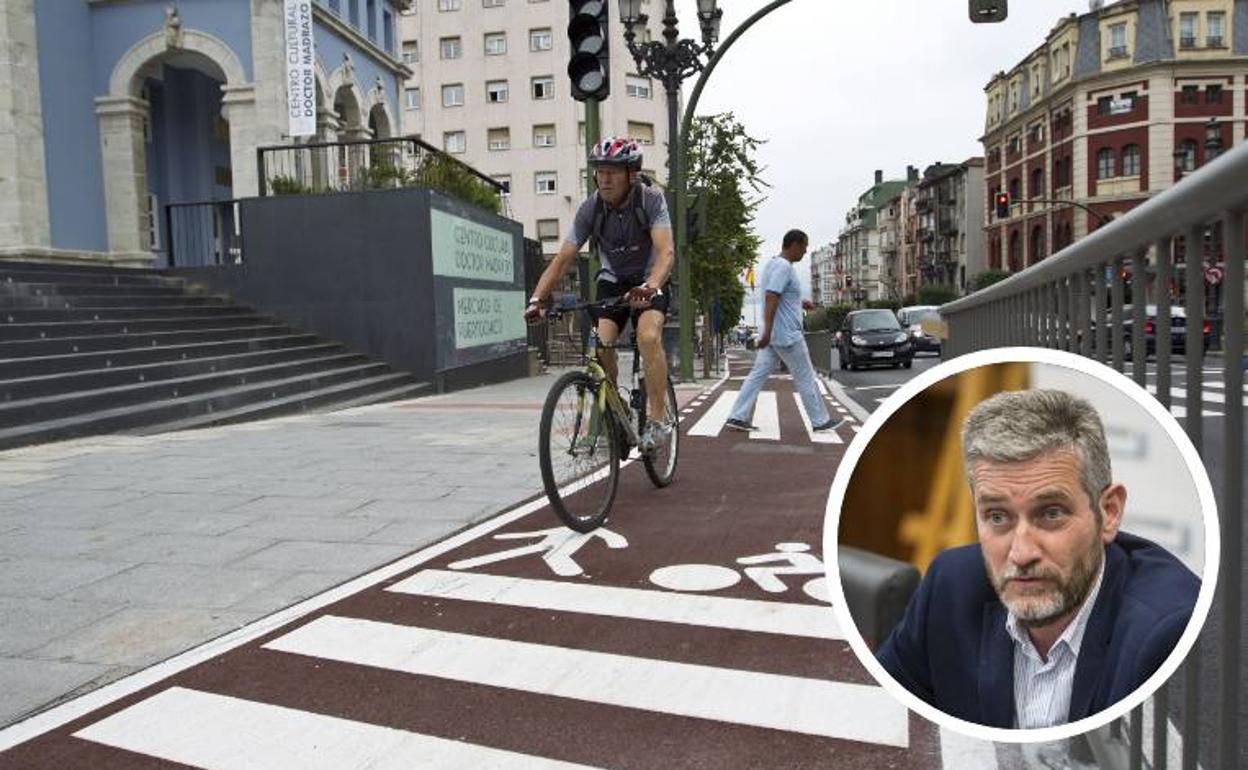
(632, 234)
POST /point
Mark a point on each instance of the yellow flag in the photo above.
(749, 276)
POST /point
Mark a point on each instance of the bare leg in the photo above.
(654, 359)
(608, 333)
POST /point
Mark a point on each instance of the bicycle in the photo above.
(590, 424)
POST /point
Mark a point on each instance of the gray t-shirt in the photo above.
(780, 278)
(625, 248)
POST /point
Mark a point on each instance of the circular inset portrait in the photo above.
(1023, 544)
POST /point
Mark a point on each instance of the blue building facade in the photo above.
(126, 106)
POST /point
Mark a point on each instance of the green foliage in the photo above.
(886, 304)
(935, 295)
(826, 317)
(988, 278)
(719, 159)
(288, 185)
(443, 173)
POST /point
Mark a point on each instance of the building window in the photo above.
(543, 87)
(642, 132)
(451, 47)
(387, 31)
(455, 141)
(411, 98)
(496, 91)
(1105, 163)
(498, 139)
(492, 3)
(540, 39)
(1118, 41)
(548, 229)
(544, 135)
(546, 182)
(1213, 94)
(637, 86)
(495, 43)
(370, 9)
(336, 7)
(411, 52)
(353, 13)
(1187, 29)
(449, 5)
(1037, 183)
(1104, 104)
(1016, 191)
(505, 181)
(1191, 94)
(1187, 152)
(453, 95)
(1214, 24)
(1131, 160)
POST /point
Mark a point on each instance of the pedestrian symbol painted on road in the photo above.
(557, 545)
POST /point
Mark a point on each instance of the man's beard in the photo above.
(1037, 610)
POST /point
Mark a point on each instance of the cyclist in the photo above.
(628, 222)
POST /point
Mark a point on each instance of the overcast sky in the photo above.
(840, 88)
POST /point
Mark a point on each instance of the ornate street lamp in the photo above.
(671, 62)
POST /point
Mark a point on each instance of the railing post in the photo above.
(1161, 329)
(1098, 297)
(1230, 651)
(169, 234)
(262, 181)
(1115, 321)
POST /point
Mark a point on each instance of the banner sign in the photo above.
(300, 67)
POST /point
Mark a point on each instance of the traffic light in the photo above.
(1003, 205)
(588, 67)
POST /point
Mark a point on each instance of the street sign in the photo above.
(1214, 275)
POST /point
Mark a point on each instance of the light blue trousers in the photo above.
(797, 358)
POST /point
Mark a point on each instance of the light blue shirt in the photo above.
(1042, 688)
(780, 278)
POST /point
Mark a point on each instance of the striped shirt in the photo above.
(1042, 688)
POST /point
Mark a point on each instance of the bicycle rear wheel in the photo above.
(578, 453)
(661, 463)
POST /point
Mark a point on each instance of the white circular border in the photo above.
(1124, 385)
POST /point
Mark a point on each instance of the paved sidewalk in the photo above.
(118, 552)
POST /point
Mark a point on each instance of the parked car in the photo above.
(912, 318)
(873, 338)
(1178, 330)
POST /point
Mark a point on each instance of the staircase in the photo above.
(88, 350)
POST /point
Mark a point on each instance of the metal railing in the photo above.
(374, 164)
(202, 233)
(1076, 301)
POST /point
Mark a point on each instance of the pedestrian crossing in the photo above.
(1213, 393)
(198, 727)
(766, 417)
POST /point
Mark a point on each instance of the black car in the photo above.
(873, 338)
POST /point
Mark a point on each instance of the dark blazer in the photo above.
(952, 650)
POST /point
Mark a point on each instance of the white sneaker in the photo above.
(654, 435)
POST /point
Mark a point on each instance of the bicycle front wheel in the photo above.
(578, 453)
(661, 463)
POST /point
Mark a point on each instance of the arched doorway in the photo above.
(168, 131)
(1037, 244)
(349, 160)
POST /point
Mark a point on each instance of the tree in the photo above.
(988, 278)
(719, 156)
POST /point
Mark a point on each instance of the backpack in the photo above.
(634, 200)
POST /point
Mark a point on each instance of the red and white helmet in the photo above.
(616, 151)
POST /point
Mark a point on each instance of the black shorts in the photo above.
(621, 315)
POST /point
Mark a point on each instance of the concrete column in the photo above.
(24, 219)
(125, 176)
(238, 107)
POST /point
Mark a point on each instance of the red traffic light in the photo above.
(1003, 205)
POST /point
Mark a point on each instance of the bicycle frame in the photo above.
(608, 394)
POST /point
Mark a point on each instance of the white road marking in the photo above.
(712, 422)
(877, 387)
(766, 617)
(219, 732)
(767, 417)
(811, 706)
(958, 751)
(823, 436)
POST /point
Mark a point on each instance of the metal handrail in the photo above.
(1203, 195)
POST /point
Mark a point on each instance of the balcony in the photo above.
(1117, 52)
(948, 226)
(1214, 42)
(1187, 43)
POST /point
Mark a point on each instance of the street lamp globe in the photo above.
(630, 10)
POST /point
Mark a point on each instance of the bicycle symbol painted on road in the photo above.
(763, 569)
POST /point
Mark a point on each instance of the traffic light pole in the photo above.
(593, 132)
(676, 148)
